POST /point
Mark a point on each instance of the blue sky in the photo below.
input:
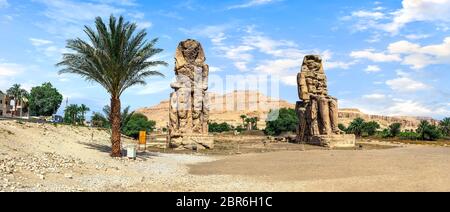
(384, 57)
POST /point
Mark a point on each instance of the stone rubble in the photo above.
(39, 165)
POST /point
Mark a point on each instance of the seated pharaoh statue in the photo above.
(317, 111)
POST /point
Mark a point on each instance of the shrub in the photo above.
(220, 128)
(287, 121)
(409, 136)
(445, 126)
(138, 122)
(342, 127)
(356, 127)
(370, 128)
(395, 129)
(428, 132)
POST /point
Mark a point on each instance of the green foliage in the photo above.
(138, 122)
(74, 114)
(428, 132)
(408, 136)
(342, 127)
(18, 94)
(370, 128)
(445, 126)
(361, 128)
(99, 120)
(286, 121)
(44, 100)
(117, 56)
(220, 128)
(240, 129)
(385, 134)
(103, 120)
(395, 129)
(356, 127)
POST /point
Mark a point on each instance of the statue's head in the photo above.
(313, 62)
(191, 49)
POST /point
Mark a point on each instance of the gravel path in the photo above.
(36, 157)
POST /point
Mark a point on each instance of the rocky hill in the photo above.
(229, 107)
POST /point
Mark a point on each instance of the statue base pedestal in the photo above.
(333, 141)
(192, 142)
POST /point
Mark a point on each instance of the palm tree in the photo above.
(125, 115)
(83, 110)
(445, 126)
(356, 127)
(117, 58)
(18, 94)
(243, 117)
(71, 114)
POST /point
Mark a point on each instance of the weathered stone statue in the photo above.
(189, 108)
(317, 111)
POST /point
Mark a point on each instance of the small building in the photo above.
(5, 105)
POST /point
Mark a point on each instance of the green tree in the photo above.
(408, 136)
(138, 122)
(395, 129)
(357, 127)
(428, 132)
(83, 109)
(342, 127)
(18, 94)
(219, 128)
(280, 121)
(72, 114)
(99, 120)
(44, 100)
(117, 58)
(125, 115)
(370, 128)
(243, 117)
(445, 126)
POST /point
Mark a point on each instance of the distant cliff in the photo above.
(229, 107)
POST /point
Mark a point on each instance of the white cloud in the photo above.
(435, 11)
(415, 108)
(4, 3)
(76, 12)
(374, 97)
(389, 106)
(214, 69)
(252, 3)
(421, 56)
(417, 36)
(368, 14)
(370, 54)
(406, 84)
(10, 69)
(419, 10)
(372, 68)
(144, 24)
(39, 42)
(155, 87)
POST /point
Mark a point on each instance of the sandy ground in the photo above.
(37, 157)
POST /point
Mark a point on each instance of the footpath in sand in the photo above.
(36, 157)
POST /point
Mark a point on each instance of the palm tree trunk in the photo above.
(15, 108)
(115, 126)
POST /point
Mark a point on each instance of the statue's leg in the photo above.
(197, 110)
(314, 117)
(185, 110)
(324, 123)
(334, 115)
(173, 114)
(205, 112)
(301, 131)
